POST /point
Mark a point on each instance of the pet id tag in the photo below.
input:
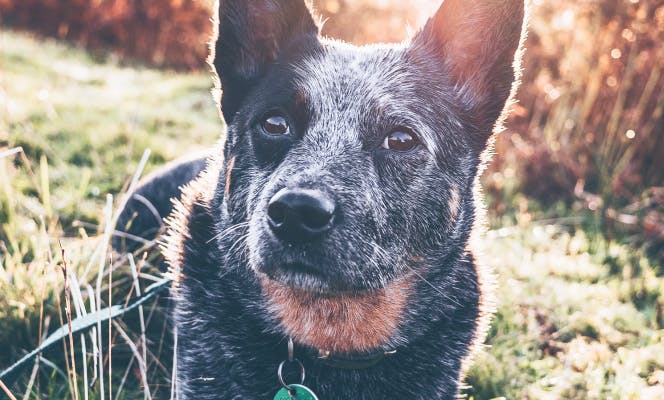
(298, 392)
(293, 391)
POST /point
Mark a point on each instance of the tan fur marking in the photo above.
(300, 99)
(229, 173)
(455, 201)
(340, 323)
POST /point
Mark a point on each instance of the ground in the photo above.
(578, 317)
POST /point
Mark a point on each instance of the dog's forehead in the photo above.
(342, 77)
(347, 87)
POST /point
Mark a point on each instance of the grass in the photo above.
(92, 121)
(571, 324)
(578, 317)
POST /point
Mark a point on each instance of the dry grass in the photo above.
(51, 191)
(586, 137)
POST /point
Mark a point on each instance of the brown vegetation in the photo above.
(589, 130)
(166, 33)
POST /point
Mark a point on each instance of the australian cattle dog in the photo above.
(323, 249)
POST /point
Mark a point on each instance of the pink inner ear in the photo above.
(464, 57)
(478, 41)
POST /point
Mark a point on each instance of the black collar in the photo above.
(362, 361)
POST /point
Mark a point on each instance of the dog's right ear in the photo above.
(252, 34)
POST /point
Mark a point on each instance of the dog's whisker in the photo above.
(445, 296)
(228, 231)
(241, 241)
(378, 248)
(380, 255)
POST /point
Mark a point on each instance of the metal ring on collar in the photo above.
(281, 378)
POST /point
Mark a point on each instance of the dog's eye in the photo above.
(400, 140)
(276, 124)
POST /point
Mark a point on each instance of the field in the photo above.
(580, 314)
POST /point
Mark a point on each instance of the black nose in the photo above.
(300, 215)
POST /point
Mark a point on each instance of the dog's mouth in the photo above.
(303, 276)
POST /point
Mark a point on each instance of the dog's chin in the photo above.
(300, 276)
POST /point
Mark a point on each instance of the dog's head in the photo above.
(352, 167)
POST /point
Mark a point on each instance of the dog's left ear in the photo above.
(479, 43)
(252, 35)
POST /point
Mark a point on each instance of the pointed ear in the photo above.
(252, 34)
(480, 45)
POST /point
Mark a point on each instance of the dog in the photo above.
(330, 231)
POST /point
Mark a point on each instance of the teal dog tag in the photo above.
(301, 393)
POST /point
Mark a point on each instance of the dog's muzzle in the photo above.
(300, 215)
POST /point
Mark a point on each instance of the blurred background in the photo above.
(575, 191)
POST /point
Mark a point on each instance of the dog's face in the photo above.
(354, 167)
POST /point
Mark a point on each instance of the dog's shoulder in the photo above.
(141, 219)
(191, 218)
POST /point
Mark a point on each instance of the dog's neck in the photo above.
(339, 323)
